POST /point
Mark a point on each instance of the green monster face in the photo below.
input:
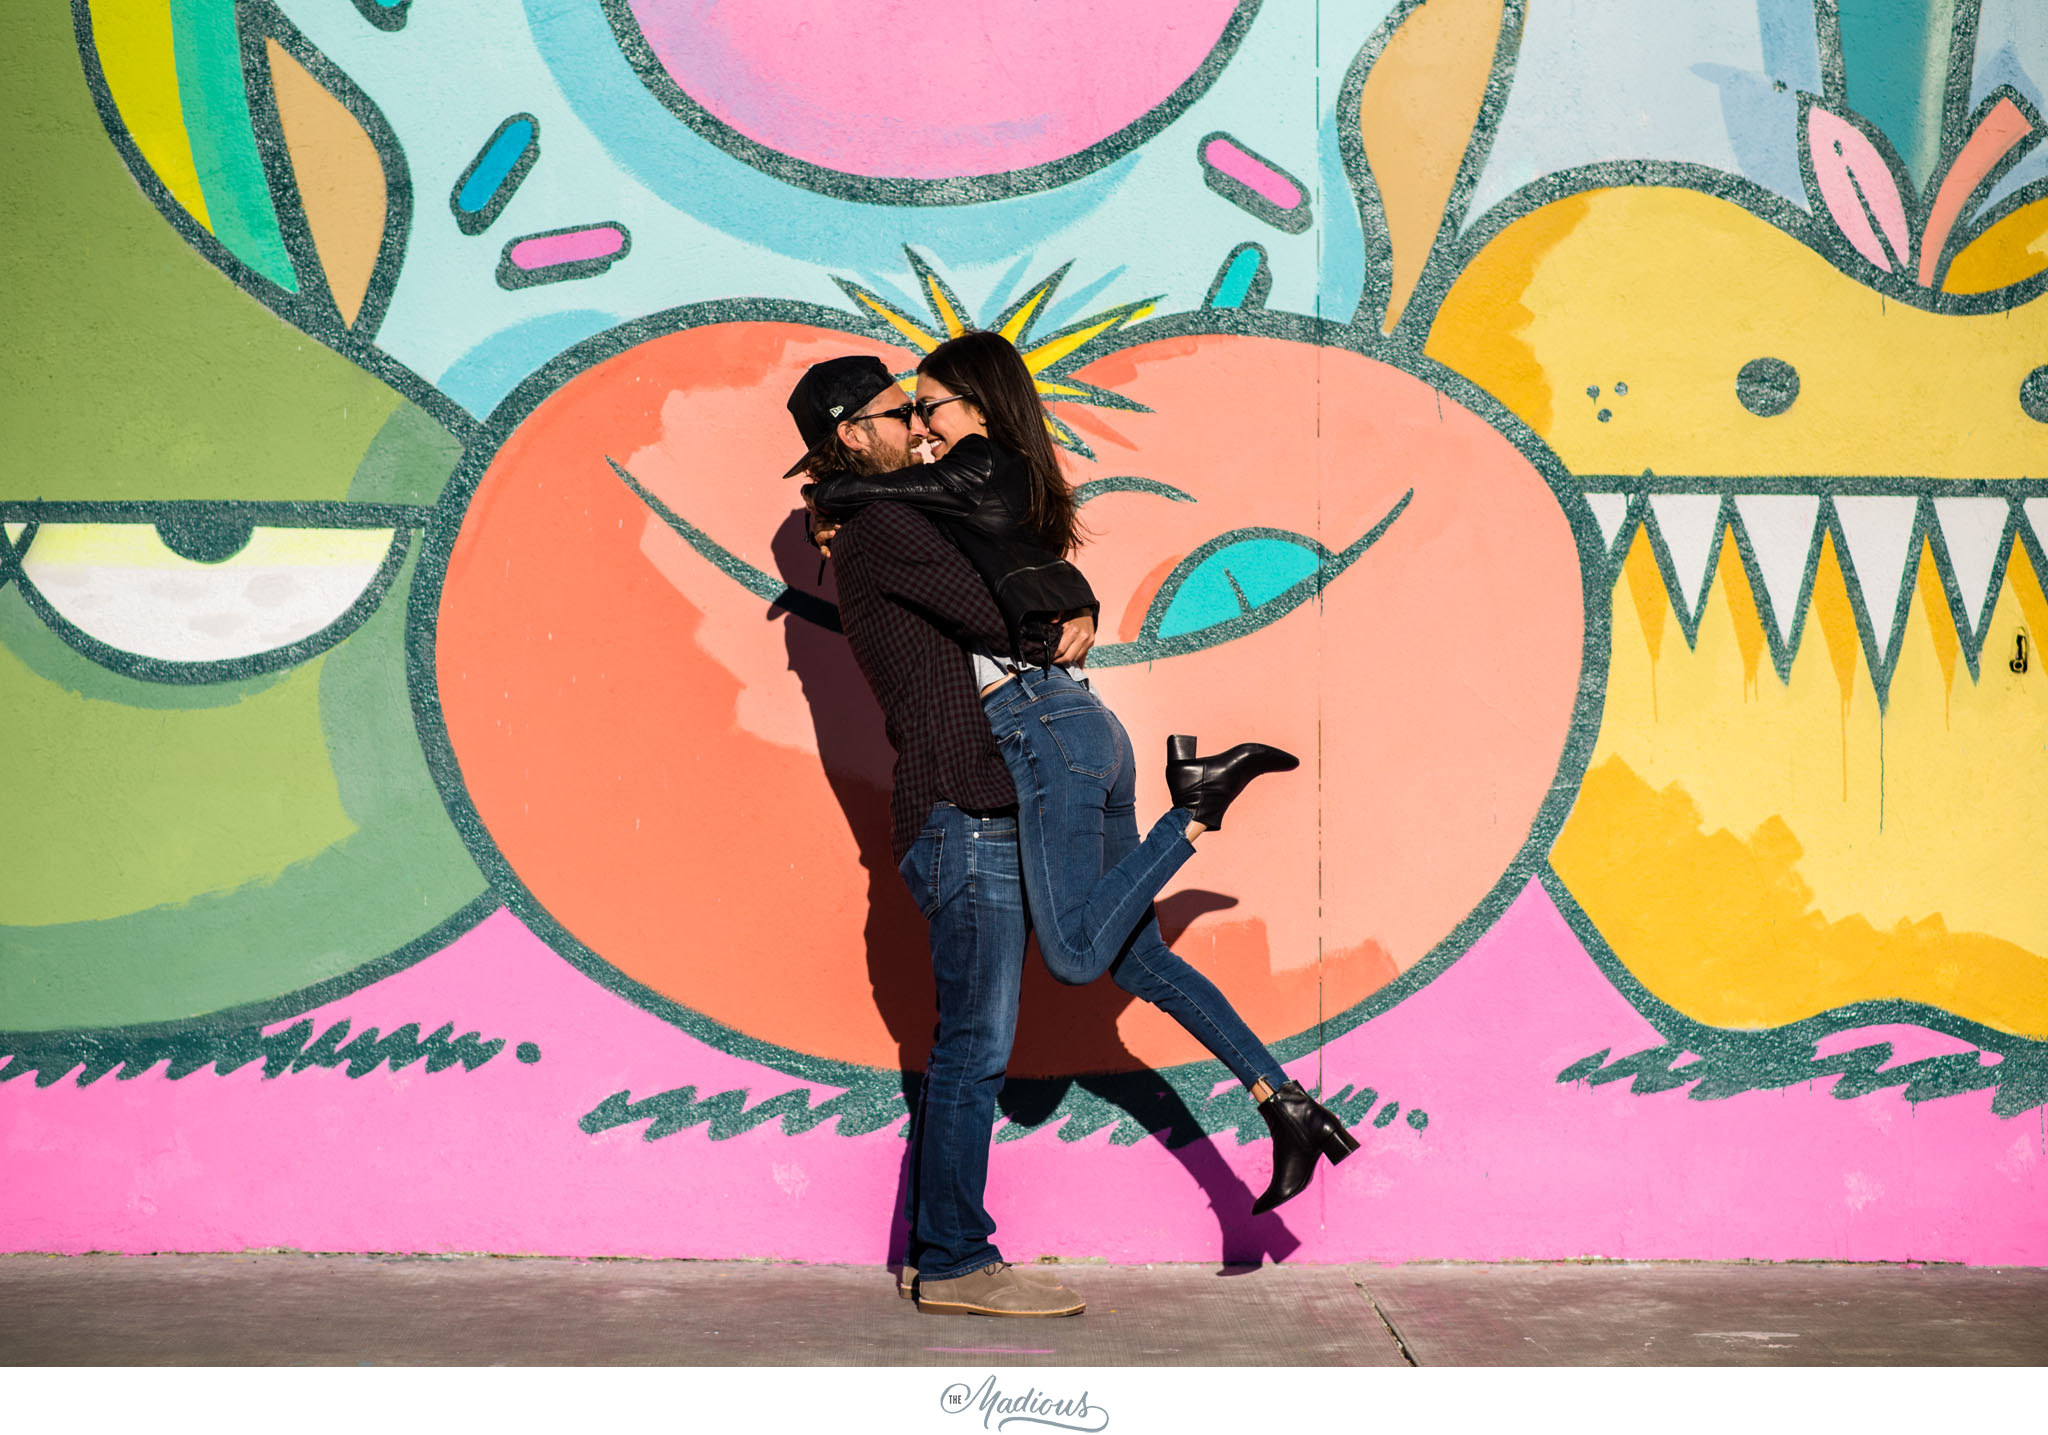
(211, 753)
(215, 796)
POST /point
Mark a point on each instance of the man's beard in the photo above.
(877, 458)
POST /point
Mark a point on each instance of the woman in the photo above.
(996, 488)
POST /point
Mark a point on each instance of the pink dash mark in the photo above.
(984, 1350)
(544, 251)
(1253, 173)
(2005, 126)
(1852, 174)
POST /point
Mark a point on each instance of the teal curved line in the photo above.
(215, 97)
(756, 581)
(1150, 645)
(1096, 487)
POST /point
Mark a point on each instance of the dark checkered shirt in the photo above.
(907, 601)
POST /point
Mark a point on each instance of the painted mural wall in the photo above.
(1612, 436)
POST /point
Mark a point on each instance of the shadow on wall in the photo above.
(1064, 1027)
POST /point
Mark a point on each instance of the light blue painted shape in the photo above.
(1342, 256)
(497, 162)
(1895, 60)
(1263, 568)
(1237, 280)
(2012, 49)
(708, 227)
(495, 367)
(1649, 80)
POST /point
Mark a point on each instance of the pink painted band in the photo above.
(1844, 164)
(1254, 174)
(546, 250)
(2001, 129)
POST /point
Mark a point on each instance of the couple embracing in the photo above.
(1014, 800)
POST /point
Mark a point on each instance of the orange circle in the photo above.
(695, 785)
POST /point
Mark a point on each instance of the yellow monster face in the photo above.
(1821, 777)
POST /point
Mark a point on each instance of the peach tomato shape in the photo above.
(1292, 543)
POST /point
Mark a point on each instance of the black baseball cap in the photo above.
(829, 393)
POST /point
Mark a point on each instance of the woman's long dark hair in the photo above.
(988, 369)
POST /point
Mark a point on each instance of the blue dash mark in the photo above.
(1244, 280)
(488, 184)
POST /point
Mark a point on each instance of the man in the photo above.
(908, 602)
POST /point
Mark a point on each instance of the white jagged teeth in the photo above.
(1879, 538)
(1689, 524)
(2037, 514)
(1877, 529)
(1610, 511)
(1973, 530)
(1781, 530)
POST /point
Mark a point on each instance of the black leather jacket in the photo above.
(979, 496)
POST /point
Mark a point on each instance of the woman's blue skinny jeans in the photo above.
(1088, 879)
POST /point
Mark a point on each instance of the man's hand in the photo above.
(820, 529)
(1077, 636)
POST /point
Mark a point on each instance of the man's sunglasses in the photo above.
(923, 408)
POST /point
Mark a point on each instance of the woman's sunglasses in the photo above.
(923, 408)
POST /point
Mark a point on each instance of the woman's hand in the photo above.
(1077, 636)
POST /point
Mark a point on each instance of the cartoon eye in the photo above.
(1236, 584)
(185, 601)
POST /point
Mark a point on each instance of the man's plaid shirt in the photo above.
(907, 601)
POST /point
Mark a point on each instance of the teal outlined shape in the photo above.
(1721, 1062)
(405, 521)
(1446, 260)
(1880, 633)
(312, 313)
(311, 929)
(263, 23)
(230, 1039)
(1905, 64)
(963, 189)
(208, 47)
(1063, 1096)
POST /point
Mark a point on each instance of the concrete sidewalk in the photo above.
(487, 1310)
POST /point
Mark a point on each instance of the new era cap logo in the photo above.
(836, 410)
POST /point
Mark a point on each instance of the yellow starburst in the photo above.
(1051, 358)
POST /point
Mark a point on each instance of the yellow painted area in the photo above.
(1759, 851)
(340, 179)
(1416, 113)
(1481, 325)
(134, 42)
(1021, 320)
(2013, 249)
(1671, 292)
(158, 806)
(944, 309)
(136, 545)
(1044, 356)
(901, 325)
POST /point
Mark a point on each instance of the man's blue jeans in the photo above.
(963, 874)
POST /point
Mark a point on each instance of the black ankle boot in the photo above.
(1206, 786)
(1301, 1127)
